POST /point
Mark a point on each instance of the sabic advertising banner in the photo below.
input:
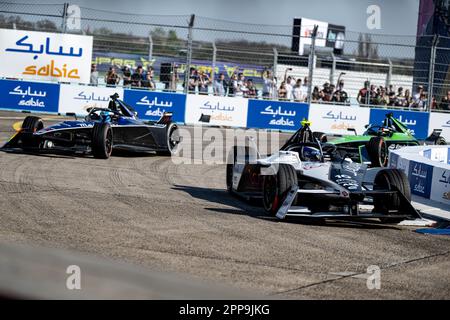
(30, 96)
(151, 105)
(440, 121)
(45, 56)
(78, 99)
(222, 111)
(420, 176)
(338, 119)
(278, 115)
(416, 121)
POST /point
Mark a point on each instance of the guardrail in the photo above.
(224, 111)
(428, 170)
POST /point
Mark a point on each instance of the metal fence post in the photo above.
(389, 74)
(275, 63)
(213, 71)
(312, 62)
(150, 47)
(431, 71)
(64, 18)
(333, 68)
(189, 53)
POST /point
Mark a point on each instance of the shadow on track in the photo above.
(254, 209)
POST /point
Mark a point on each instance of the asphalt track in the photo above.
(147, 211)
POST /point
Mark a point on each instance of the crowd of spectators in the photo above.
(290, 88)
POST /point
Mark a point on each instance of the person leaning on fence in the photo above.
(220, 86)
(94, 75)
(126, 75)
(269, 85)
(203, 82)
(149, 77)
(297, 92)
(193, 80)
(282, 91)
(112, 78)
(445, 102)
(137, 78)
(232, 85)
(363, 94)
(251, 92)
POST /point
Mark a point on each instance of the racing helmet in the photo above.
(308, 153)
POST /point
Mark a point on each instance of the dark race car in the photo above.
(102, 131)
(309, 178)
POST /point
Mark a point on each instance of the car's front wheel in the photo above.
(276, 187)
(30, 125)
(102, 140)
(173, 139)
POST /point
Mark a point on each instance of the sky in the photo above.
(398, 17)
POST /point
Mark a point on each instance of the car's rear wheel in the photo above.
(440, 141)
(391, 180)
(378, 152)
(173, 139)
(276, 187)
(30, 125)
(102, 140)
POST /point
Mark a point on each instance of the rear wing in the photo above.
(166, 118)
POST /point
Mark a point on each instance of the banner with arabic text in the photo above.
(416, 121)
(45, 56)
(78, 98)
(29, 96)
(278, 115)
(151, 105)
(335, 119)
(221, 111)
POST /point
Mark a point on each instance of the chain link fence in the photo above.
(204, 51)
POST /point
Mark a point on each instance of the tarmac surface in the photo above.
(148, 211)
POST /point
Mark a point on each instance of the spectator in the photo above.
(251, 89)
(138, 78)
(112, 78)
(282, 91)
(193, 80)
(340, 95)
(220, 86)
(445, 102)
(203, 82)
(421, 102)
(126, 71)
(240, 86)
(149, 77)
(363, 94)
(315, 94)
(408, 99)
(305, 87)
(232, 86)
(416, 97)
(326, 92)
(269, 84)
(297, 92)
(94, 75)
(400, 98)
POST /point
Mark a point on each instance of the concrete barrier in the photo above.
(428, 170)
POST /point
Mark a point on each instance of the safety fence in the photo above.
(218, 46)
(428, 170)
(222, 111)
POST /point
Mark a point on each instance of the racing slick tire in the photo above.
(440, 141)
(102, 140)
(276, 187)
(322, 137)
(30, 125)
(171, 136)
(378, 152)
(385, 180)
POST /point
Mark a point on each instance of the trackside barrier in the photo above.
(222, 111)
(428, 170)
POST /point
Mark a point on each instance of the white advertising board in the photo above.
(45, 56)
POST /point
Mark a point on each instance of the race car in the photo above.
(307, 177)
(102, 131)
(372, 147)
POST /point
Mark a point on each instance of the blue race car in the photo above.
(102, 130)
